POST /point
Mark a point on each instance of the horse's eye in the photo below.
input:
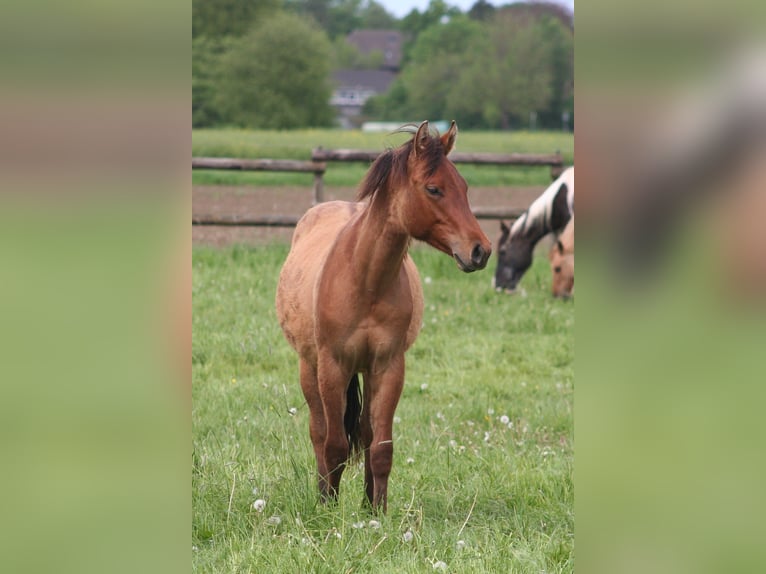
(557, 269)
(433, 191)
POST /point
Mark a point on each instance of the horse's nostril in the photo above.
(478, 255)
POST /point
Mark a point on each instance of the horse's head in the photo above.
(435, 207)
(514, 257)
(562, 263)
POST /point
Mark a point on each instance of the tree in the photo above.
(436, 66)
(206, 59)
(216, 18)
(481, 10)
(508, 76)
(277, 76)
(374, 16)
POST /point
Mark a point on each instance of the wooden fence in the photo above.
(318, 167)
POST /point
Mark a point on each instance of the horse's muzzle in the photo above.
(478, 260)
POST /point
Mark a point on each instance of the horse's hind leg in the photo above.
(317, 431)
(385, 390)
(333, 383)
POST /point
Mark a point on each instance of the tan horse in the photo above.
(350, 302)
(562, 263)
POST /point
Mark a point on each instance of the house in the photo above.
(353, 87)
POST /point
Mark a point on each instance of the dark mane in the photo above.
(391, 166)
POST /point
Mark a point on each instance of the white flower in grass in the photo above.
(255, 490)
(259, 505)
(486, 436)
(453, 443)
(293, 411)
(504, 419)
(397, 419)
(427, 280)
(357, 525)
(410, 460)
(440, 565)
(490, 411)
(424, 386)
(408, 536)
(274, 520)
(460, 544)
(374, 524)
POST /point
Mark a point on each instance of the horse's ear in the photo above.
(560, 246)
(421, 138)
(448, 139)
(504, 227)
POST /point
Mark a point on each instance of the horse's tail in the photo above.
(353, 415)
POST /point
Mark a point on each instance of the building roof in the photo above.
(374, 80)
(387, 42)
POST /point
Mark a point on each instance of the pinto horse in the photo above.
(548, 213)
(561, 257)
(349, 299)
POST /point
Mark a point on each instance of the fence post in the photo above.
(318, 187)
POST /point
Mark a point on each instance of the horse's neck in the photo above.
(381, 246)
(532, 230)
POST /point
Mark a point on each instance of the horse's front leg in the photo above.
(385, 390)
(310, 387)
(333, 382)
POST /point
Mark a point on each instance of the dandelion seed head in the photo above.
(293, 411)
(490, 411)
(504, 419)
(274, 520)
(424, 386)
(460, 544)
(259, 505)
(357, 525)
(427, 280)
(410, 460)
(408, 536)
(440, 565)
(374, 524)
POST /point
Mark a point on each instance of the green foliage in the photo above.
(277, 76)
(507, 76)
(502, 486)
(206, 57)
(217, 18)
(437, 65)
(340, 17)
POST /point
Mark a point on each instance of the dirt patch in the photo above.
(294, 201)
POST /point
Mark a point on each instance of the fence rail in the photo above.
(288, 165)
(318, 167)
(518, 159)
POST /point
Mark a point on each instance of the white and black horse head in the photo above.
(548, 213)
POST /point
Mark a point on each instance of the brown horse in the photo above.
(562, 263)
(349, 299)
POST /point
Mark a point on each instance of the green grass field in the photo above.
(298, 144)
(482, 476)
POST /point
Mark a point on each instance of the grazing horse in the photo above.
(561, 257)
(349, 299)
(548, 213)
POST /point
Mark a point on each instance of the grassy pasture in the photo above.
(298, 144)
(482, 477)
